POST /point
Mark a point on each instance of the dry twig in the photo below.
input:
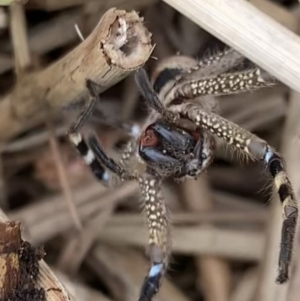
(63, 178)
(198, 240)
(55, 291)
(102, 57)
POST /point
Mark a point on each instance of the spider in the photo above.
(178, 140)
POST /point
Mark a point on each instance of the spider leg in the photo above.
(159, 235)
(108, 162)
(257, 149)
(225, 84)
(79, 142)
(88, 156)
(128, 152)
(147, 91)
(214, 64)
(88, 110)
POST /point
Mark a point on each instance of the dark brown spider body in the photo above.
(173, 151)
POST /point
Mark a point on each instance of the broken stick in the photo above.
(119, 45)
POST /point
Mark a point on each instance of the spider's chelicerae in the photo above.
(178, 141)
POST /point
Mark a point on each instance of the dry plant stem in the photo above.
(32, 141)
(10, 244)
(81, 291)
(99, 58)
(123, 270)
(197, 240)
(255, 35)
(18, 33)
(3, 194)
(47, 225)
(63, 177)
(255, 217)
(49, 35)
(246, 286)
(49, 217)
(50, 206)
(214, 272)
(55, 291)
(3, 19)
(78, 246)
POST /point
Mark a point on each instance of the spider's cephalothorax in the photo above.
(172, 151)
(178, 140)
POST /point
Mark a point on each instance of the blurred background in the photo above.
(225, 225)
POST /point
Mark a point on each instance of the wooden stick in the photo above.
(79, 245)
(63, 177)
(232, 244)
(10, 270)
(254, 217)
(100, 57)
(80, 290)
(55, 291)
(3, 19)
(53, 221)
(49, 35)
(246, 286)
(49, 217)
(243, 27)
(18, 30)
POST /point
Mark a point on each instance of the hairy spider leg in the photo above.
(147, 91)
(89, 158)
(78, 141)
(88, 110)
(108, 162)
(225, 84)
(158, 225)
(159, 245)
(159, 237)
(256, 149)
(215, 63)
